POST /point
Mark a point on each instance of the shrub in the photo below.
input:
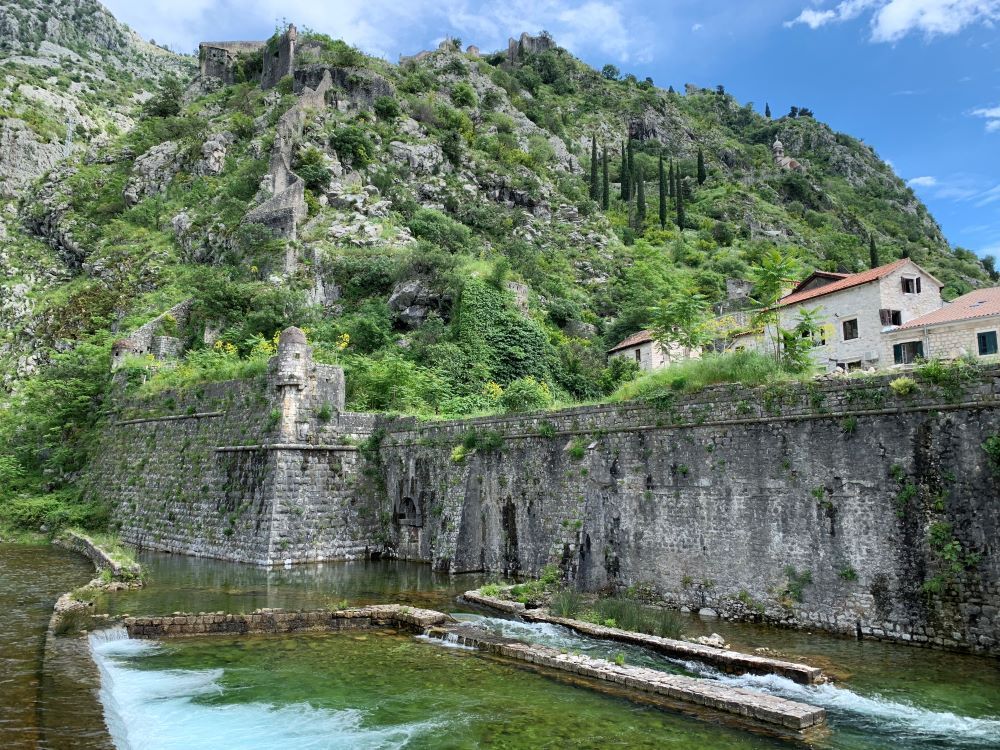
(325, 413)
(442, 230)
(903, 386)
(242, 125)
(310, 165)
(353, 146)
(525, 394)
(285, 85)
(848, 574)
(463, 95)
(273, 418)
(387, 108)
(992, 448)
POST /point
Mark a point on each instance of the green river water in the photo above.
(388, 690)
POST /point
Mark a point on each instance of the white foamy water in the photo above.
(155, 710)
(875, 715)
(897, 720)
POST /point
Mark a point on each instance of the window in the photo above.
(850, 329)
(907, 352)
(638, 355)
(848, 366)
(987, 343)
(891, 317)
(911, 285)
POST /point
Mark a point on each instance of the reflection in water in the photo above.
(31, 579)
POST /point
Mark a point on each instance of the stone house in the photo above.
(969, 325)
(649, 353)
(855, 309)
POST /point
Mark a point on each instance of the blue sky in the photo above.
(919, 80)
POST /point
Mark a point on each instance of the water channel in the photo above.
(384, 689)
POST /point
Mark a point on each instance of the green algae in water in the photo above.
(370, 690)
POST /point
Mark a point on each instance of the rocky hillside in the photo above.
(433, 225)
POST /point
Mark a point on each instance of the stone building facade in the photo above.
(650, 354)
(967, 326)
(855, 309)
(158, 338)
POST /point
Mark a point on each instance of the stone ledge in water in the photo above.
(741, 702)
(281, 621)
(725, 659)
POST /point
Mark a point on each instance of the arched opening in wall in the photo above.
(409, 523)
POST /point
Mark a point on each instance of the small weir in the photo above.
(753, 706)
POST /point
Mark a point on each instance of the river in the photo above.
(384, 689)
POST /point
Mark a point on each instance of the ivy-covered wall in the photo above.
(846, 505)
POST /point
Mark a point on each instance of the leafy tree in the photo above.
(167, 101)
(797, 342)
(720, 90)
(619, 370)
(990, 265)
(793, 112)
(610, 72)
(663, 195)
(432, 225)
(770, 276)
(594, 187)
(702, 175)
(767, 110)
(605, 181)
(683, 319)
(352, 145)
(640, 199)
(310, 165)
(873, 258)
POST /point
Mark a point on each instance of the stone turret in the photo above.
(528, 45)
(279, 59)
(301, 386)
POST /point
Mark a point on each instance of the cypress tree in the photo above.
(605, 182)
(640, 199)
(680, 203)
(702, 175)
(767, 110)
(594, 190)
(631, 169)
(663, 196)
(670, 180)
(624, 175)
(873, 252)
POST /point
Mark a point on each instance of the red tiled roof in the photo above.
(818, 275)
(981, 303)
(634, 340)
(854, 279)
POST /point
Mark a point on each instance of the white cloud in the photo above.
(388, 27)
(925, 181)
(697, 27)
(891, 20)
(992, 115)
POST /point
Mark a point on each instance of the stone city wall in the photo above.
(838, 504)
(263, 471)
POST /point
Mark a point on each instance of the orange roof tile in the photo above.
(854, 279)
(981, 303)
(635, 339)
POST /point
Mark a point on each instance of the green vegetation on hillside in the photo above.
(466, 183)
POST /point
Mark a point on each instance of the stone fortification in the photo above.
(261, 471)
(219, 60)
(837, 505)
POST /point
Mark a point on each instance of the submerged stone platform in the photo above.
(747, 704)
(731, 662)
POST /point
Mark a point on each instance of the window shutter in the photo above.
(897, 353)
(885, 316)
(918, 285)
(902, 283)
